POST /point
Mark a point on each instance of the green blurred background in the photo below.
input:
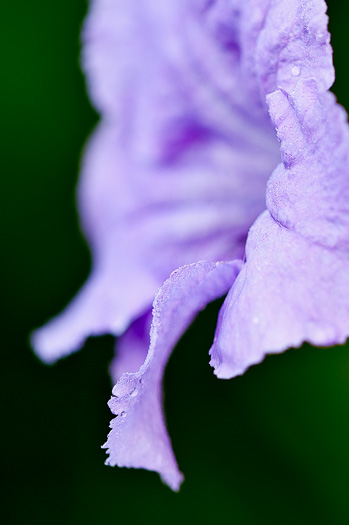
(270, 447)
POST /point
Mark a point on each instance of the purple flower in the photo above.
(218, 141)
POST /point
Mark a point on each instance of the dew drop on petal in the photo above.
(134, 393)
(295, 71)
(123, 414)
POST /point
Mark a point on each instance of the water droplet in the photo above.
(123, 414)
(134, 393)
(295, 71)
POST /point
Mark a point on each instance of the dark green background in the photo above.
(270, 447)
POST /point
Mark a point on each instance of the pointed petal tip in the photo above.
(174, 482)
(40, 349)
(50, 348)
(224, 370)
(173, 478)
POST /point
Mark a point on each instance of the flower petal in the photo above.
(177, 170)
(294, 285)
(289, 291)
(139, 437)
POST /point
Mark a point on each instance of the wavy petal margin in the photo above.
(294, 286)
(139, 437)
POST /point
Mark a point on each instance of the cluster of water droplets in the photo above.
(123, 394)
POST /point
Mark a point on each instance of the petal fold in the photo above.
(309, 192)
(139, 437)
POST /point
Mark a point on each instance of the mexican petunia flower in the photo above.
(219, 142)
